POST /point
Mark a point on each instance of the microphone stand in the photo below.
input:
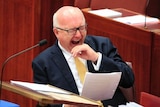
(41, 43)
(146, 11)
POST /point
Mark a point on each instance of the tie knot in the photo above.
(76, 59)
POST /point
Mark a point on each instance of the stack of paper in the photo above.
(49, 94)
(40, 87)
(97, 86)
(137, 19)
(106, 13)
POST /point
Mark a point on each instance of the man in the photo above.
(56, 65)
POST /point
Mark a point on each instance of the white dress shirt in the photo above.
(70, 60)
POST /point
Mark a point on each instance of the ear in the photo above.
(55, 31)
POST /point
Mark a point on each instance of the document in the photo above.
(100, 86)
(131, 104)
(40, 87)
(97, 86)
(106, 13)
(137, 19)
(49, 94)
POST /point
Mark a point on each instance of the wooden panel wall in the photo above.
(17, 33)
(23, 23)
(155, 70)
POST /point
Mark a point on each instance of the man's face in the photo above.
(72, 32)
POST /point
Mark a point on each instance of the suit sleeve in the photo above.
(39, 73)
(112, 61)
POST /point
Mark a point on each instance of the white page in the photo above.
(137, 19)
(100, 86)
(106, 13)
(131, 104)
(40, 87)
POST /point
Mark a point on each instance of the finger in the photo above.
(76, 52)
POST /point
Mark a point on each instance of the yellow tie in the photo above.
(80, 68)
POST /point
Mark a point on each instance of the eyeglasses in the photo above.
(73, 31)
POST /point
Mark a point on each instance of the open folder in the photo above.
(137, 19)
(97, 86)
(48, 94)
(100, 86)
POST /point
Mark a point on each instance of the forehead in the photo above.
(72, 17)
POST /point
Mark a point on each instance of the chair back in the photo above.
(149, 100)
(134, 5)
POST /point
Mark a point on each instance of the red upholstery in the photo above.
(134, 5)
(149, 100)
(82, 3)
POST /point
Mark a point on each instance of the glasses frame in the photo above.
(73, 31)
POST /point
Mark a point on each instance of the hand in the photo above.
(84, 51)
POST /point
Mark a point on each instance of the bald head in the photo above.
(68, 16)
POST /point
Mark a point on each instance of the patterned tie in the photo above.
(80, 68)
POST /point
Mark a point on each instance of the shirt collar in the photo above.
(67, 54)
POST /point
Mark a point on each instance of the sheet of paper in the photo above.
(40, 87)
(100, 86)
(106, 13)
(59, 96)
(131, 104)
(137, 19)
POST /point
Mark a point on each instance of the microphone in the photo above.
(41, 43)
(146, 12)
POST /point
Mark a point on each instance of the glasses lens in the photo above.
(82, 30)
(72, 31)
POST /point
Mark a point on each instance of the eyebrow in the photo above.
(70, 28)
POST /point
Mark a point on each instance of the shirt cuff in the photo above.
(97, 65)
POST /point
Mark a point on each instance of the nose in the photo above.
(78, 33)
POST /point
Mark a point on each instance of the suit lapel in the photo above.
(63, 66)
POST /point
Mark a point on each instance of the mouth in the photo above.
(75, 42)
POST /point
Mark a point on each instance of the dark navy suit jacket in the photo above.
(50, 67)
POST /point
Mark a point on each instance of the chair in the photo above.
(149, 100)
(80, 4)
(7, 104)
(153, 9)
(137, 5)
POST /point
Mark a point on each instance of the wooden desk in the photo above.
(148, 26)
(155, 64)
(134, 44)
(51, 97)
